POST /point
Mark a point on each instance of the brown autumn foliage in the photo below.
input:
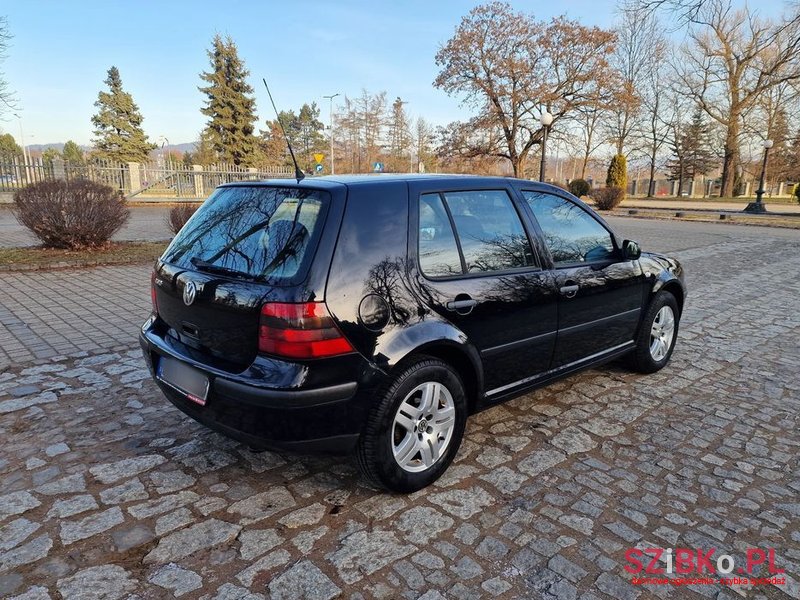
(507, 65)
(178, 215)
(607, 198)
(71, 214)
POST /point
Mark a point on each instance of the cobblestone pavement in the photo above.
(106, 491)
(146, 223)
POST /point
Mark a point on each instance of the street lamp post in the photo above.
(758, 205)
(546, 119)
(25, 155)
(330, 118)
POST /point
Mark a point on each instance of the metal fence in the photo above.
(140, 180)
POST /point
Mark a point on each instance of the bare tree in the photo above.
(731, 59)
(589, 134)
(7, 98)
(508, 66)
(639, 49)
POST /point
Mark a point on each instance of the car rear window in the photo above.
(255, 232)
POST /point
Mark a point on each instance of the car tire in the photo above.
(413, 432)
(657, 334)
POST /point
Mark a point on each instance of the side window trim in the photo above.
(540, 231)
(455, 233)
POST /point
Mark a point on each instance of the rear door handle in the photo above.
(461, 304)
(569, 291)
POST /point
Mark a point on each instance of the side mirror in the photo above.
(631, 250)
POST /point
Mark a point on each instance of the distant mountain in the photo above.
(59, 146)
(181, 148)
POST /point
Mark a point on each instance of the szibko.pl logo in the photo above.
(700, 563)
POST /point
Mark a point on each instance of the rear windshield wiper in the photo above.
(203, 265)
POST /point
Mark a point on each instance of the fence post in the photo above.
(691, 189)
(197, 177)
(253, 173)
(134, 176)
(59, 169)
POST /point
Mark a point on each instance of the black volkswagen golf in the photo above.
(373, 314)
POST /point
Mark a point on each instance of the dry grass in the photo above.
(115, 253)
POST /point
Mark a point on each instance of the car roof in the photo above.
(333, 181)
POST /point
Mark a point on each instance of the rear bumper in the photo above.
(323, 418)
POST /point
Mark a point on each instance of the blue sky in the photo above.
(61, 51)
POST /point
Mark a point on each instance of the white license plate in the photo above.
(187, 380)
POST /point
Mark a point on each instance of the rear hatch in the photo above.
(245, 246)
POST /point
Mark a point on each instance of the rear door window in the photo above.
(438, 251)
(254, 232)
(490, 231)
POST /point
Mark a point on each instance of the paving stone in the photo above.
(176, 579)
(255, 542)
(567, 568)
(422, 524)
(125, 539)
(105, 582)
(29, 552)
(16, 503)
(362, 553)
(267, 563)
(463, 503)
(572, 440)
(186, 542)
(71, 484)
(159, 506)
(36, 592)
(262, 506)
(72, 506)
(126, 492)
(496, 586)
(308, 515)
(72, 531)
(11, 406)
(16, 532)
(228, 591)
(174, 520)
(540, 460)
(616, 587)
(56, 449)
(125, 468)
(303, 580)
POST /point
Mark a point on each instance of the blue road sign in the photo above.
(318, 168)
(377, 167)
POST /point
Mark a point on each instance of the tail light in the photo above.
(303, 330)
(153, 292)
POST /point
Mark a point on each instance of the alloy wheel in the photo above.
(661, 333)
(423, 426)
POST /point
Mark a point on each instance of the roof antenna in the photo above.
(298, 173)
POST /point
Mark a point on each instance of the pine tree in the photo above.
(9, 149)
(72, 154)
(230, 105)
(118, 124)
(310, 130)
(617, 172)
(692, 153)
(783, 156)
(399, 137)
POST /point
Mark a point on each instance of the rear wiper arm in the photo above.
(203, 265)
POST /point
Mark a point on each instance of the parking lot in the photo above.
(106, 489)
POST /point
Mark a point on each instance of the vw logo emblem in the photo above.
(189, 292)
